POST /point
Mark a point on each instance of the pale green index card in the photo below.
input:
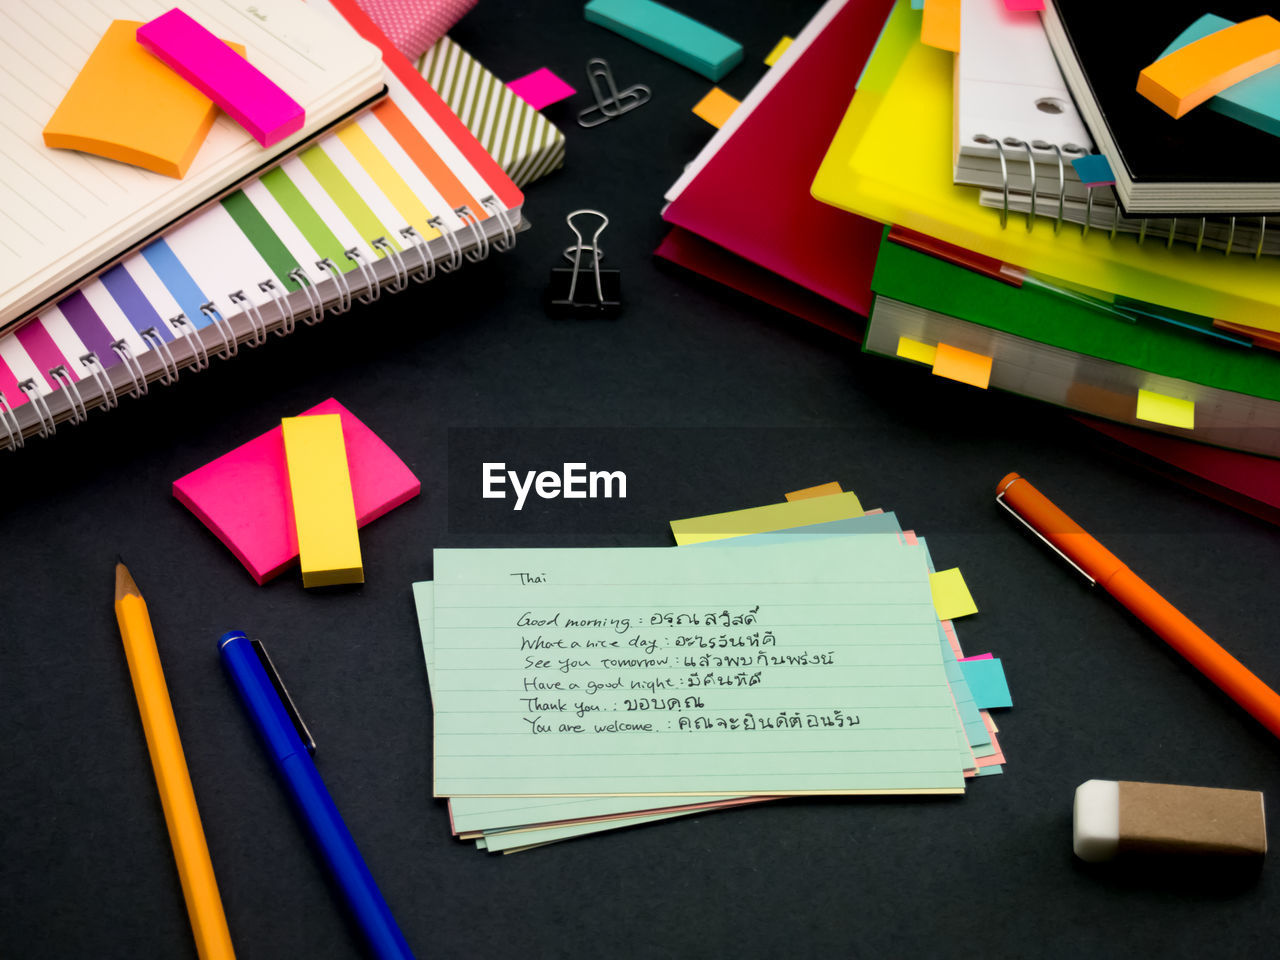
(513, 841)
(797, 668)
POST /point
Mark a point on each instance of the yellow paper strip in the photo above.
(774, 516)
(1171, 411)
(963, 365)
(716, 107)
(951, 597)
(778, 50)
(915, 350)
(821, 490)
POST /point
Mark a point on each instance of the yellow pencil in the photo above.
(195, 869)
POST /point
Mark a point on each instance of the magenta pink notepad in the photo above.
(243, 496)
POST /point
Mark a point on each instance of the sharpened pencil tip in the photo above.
(124, 582)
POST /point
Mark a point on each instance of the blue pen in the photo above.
(265, 700)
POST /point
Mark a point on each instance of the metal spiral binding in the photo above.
(11, 426)
(131, 364)
(344, 288)
(230, 348)
(371, 281)
(47, 425)
(496, 209)
(1031, 173)
(170, 375)
(200, 356)
(420, 247)
(481, 249)
(1231, 235)
(455, 248)
(79, 412)
(91, 363)
(256, 320)
(383, 246)
(1262, 235)
(287, 318)
(314, 304)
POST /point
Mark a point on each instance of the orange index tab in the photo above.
(323, 506)
(940, 25)
(963, 365)
(716, 107)
(126, 105)
(1171, 411)
(1192, 74)
(821, 490)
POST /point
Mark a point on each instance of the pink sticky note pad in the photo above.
(229, 80)
(243, 496)
(541, 88)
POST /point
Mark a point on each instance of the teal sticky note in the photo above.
(987, 683)
(1093, 170)
(917, 4)
(668, 32)
(1254, 100)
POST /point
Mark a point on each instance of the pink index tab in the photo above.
(1024, 4)
(541, 88)
(243, 496)
(229, 80)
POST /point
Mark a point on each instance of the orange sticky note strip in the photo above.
(963, 365)
(1192, 74)
(716, 107)
(821, 490)
(940, 25)
(126, 105)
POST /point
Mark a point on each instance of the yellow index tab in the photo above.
(127, 105)
(821, 490)
(951, 597)
(963, 365)
(915, 350)
(716, 107)
(1171, 411)
(774, 516)
(778, 50)
(1204, 68)
(323, 507)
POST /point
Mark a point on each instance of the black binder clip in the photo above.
(610, 101)
(584, 290)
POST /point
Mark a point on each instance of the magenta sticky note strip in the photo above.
(243, 496)
(1024, 4)
(541, 88)
(246, 93)
(977, 656)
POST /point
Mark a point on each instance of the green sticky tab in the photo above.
(668, 32)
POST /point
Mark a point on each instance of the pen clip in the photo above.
(286, 701)
(1014, 513)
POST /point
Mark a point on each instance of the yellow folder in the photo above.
(891, 160)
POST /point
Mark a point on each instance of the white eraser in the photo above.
(1096, 820)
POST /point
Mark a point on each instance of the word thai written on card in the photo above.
(796, 668)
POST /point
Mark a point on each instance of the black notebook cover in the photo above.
(1113, 41)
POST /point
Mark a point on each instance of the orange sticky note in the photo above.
(126, 105)
(1192, 74)
(821, 490)
(940, 25)
(715, 107)
(963, 365)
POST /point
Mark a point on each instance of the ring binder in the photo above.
(246, 323)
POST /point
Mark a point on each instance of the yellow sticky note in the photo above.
(1171, 411)
(1192, 74)
(778, 50)
(127, 105)
(323, 507)
(774, 516)
(821, 490)
(951, 597)
(915, 350)
(940, 25)
(963, 365)
(716, 107)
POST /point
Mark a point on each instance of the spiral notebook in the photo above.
(401, 192)
(1017, 130)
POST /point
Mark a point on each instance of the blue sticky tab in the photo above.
(1254, 100)
(1093, 170)
(917, 4)
(669, 33)
(986, 683)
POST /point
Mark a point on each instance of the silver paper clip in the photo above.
(571, 291)
(610, 101)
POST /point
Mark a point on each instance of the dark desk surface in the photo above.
(713, 403)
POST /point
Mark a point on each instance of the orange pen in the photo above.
(195, 869)
(1103, 567)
